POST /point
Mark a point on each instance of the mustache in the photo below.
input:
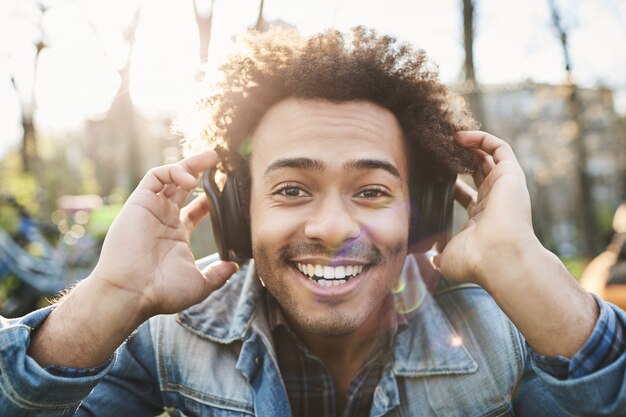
(353, 250)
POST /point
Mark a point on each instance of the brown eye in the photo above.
(291, 191)
(373, 193)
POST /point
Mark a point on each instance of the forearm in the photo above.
(537, 292)
(86, 327)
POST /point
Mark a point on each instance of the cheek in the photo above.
(273, 227)
(388, 227)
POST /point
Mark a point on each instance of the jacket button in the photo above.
(257, 360)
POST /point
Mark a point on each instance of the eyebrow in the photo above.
(368, 164)
(298, 163)
(317, 165)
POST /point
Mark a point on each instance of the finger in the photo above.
(158, 178)
(179, 197)
(465, 195)
(198, 163)
(175, 194)
(169, 190)
(184, 174)
(217, 274)
(487, 163)
(496, 147)
(479, 177)
(194, 212)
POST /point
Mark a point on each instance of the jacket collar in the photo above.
(428, 345)
(226, 315)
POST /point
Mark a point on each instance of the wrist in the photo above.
(86, 326)
(537, 292)
(115, 300)
(119, 306)
(509, 262)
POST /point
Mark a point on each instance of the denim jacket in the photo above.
(458, 356)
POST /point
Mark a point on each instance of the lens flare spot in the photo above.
(410, 291)
(456, 341)
(400, 286)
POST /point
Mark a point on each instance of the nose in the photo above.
(332, 223)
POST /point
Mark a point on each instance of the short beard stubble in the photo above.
(385, 267)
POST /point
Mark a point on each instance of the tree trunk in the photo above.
(472, 88)
(204, 22)
(586, 214)
(30, 156)
(261, 24)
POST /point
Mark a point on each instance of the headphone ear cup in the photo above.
(431, 215)
(235, 225)
(231, 228)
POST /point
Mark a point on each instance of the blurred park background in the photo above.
(88, 90)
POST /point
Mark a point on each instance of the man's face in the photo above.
(329, 211)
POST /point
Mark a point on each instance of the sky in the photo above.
(77, 74)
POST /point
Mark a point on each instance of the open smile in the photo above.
(329, 276)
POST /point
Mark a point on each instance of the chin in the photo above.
(330, 310)
(335, 323)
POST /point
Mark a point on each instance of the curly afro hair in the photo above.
(360, 65)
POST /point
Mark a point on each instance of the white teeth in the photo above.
(328, 275)
(319, 271)
(329, 272)
(340, 272)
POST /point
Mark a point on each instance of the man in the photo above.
(332, 144)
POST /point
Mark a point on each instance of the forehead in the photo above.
(328, 131)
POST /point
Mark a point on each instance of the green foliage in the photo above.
(88, 182)
(39, 192)
(7, 286)
(9, 219)
(576, 266)
(604, 219)
(16, 182)
(100, 220)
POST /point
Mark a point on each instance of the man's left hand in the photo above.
(498, 250)
(499, 214)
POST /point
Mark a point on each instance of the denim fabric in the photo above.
(458, 356)
(26, 389)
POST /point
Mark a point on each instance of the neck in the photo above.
(350, 350)
(344, 355)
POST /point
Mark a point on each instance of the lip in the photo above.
(327, 293)
(329, 262)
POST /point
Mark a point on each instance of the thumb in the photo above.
(217, 274)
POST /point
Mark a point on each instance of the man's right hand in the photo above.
(146, 253)
(146, 268)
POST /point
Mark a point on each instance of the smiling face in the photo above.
(329, 211)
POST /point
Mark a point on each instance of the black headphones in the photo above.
(431, 216)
